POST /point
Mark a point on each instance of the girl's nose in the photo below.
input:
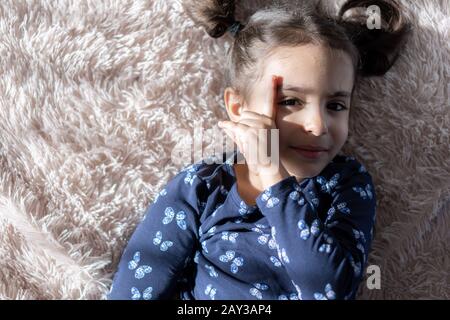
(315, 121)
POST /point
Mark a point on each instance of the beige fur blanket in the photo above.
(92, 97)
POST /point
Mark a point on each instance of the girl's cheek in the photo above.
(283, 116)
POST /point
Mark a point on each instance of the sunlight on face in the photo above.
(313, 103)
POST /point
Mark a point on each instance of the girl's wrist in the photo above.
(271, 176)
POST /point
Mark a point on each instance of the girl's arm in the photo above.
(324, 259)
(158, 250)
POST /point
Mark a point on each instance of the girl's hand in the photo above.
(250, 134)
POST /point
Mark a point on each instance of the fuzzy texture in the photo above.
(93, 97)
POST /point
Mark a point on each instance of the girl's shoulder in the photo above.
(193, 182)
(342, 161)
(208, 174)
(209, 167)
(343, 178)
(346, 167)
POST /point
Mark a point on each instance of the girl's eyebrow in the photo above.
(303, 90)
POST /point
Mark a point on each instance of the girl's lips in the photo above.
(310, 154)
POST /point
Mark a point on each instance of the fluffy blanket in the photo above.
(95, 95)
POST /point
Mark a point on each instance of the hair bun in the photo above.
(215, 16)
(235, 28)
(378, 48)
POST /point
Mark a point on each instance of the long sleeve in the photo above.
(162, 243)
(324, 253)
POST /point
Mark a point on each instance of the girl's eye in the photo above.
(290, 102)
(336, 106)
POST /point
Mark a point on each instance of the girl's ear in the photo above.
(233, 104)
(378, 30)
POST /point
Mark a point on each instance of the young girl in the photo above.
(299, 230)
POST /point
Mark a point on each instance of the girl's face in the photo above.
(312, 105)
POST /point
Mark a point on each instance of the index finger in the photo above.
(271, 103)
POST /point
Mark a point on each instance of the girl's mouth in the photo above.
(310, 154)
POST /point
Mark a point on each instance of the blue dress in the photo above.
(199, 240)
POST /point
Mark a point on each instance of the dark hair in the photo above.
(296, 22)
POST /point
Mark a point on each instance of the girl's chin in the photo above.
(300, 167)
